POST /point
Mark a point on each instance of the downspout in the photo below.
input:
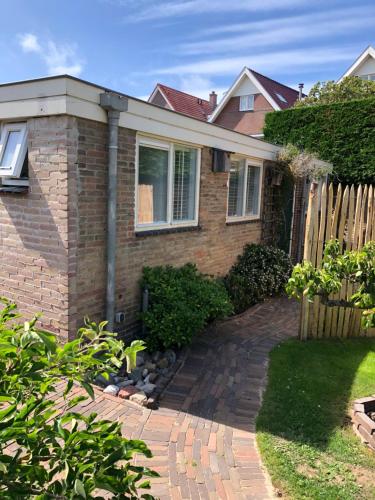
(113, 104)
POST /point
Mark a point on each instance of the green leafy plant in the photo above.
(341, 133)
(260, 271)
(350, 88)
(355, 266)
(181, 303)
(60, 453)
(302, 163)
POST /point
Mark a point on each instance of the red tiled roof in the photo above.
(186, 103)
(277, 90)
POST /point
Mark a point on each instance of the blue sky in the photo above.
(194, 45)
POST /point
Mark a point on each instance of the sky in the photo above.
(194, 45)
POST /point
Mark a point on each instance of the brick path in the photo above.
(203, 435)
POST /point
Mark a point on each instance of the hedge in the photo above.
(341, 133)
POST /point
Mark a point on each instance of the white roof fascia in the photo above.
(228, 95)
(369, 52)
(158, 89)
(70, 96)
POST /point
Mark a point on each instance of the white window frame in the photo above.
(170, 147)
(248, 163)
(15, 169)
(247, 102)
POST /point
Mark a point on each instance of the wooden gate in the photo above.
(348, 215)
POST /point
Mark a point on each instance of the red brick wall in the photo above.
(213, 247)
(36, 250)
(247, 122)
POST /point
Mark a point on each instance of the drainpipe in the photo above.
(113, 104)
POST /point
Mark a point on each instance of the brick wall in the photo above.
(247, 122)
(36, 248)
(213, 247)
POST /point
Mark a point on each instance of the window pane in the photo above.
(236, 188)
(252, 190)
(152, 185)
(184, 183)
(11, 147)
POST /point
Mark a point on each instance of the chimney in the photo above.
(300, 86)
(213, 99)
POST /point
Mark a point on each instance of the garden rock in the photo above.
(145, 372)
(163, 363)
(171, 356)
(126, 383)
(112, 389)
(156, 356)
(151, 377)
(126, 392)
(151, 367)
(136, 374)
(102, 381)
(148, 389)
(139, 398)
(140, 359)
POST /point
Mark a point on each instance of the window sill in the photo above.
(166, 230)
(14, 189)
(233, 222)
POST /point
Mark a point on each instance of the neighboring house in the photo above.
(181, 102)
(181, 197)
(243, 107)
(252, 95)
(363, 66)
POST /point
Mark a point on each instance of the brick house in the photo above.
(95, 185)
(243, 107)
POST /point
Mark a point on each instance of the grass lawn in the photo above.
(303, 429)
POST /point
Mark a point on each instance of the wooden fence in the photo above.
(348, 215)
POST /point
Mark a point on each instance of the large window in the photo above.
(244, 190)
(167, 184)
(247, 102)
(13, 147)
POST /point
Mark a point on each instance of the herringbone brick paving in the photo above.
(203, 435)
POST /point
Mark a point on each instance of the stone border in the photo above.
(363, 425)
(151, 401)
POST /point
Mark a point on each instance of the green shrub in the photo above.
(181, 302)
(61, 453)
(260, 272)
(342, 134)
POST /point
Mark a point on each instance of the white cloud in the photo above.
(169, 9)
(269, 62)
(273, 32)
(58, 58)
(29, 43)
(199, 86)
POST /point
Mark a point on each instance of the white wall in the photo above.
(366, 68)
(245, 87)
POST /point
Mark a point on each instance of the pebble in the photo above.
(126, 383)
(148, 388)
(171, 356)
(163, 363)
(145, 372)
(112, 389)
(150, 367)
(136, 374)
(139, 398)
(156, 356)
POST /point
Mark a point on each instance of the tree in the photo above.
(350, 88)
(61, 453)
(355, 266)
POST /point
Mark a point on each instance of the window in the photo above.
(244, 190)
(167, 184)
(13, 146)
(281, 97)
(368, 77)
(247, 102)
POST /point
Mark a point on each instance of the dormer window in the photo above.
(247, 102)
(13, 147)
(281, 98)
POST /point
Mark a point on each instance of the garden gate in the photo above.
(348, 215)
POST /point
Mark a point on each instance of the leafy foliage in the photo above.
(350, 88)
(302, 163)
(356, 266)
(182, 302)
(260, 272)
(340, 133)
(60, 453)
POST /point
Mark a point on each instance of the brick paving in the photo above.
(203, 435)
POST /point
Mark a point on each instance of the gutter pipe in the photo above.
(114, 104)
